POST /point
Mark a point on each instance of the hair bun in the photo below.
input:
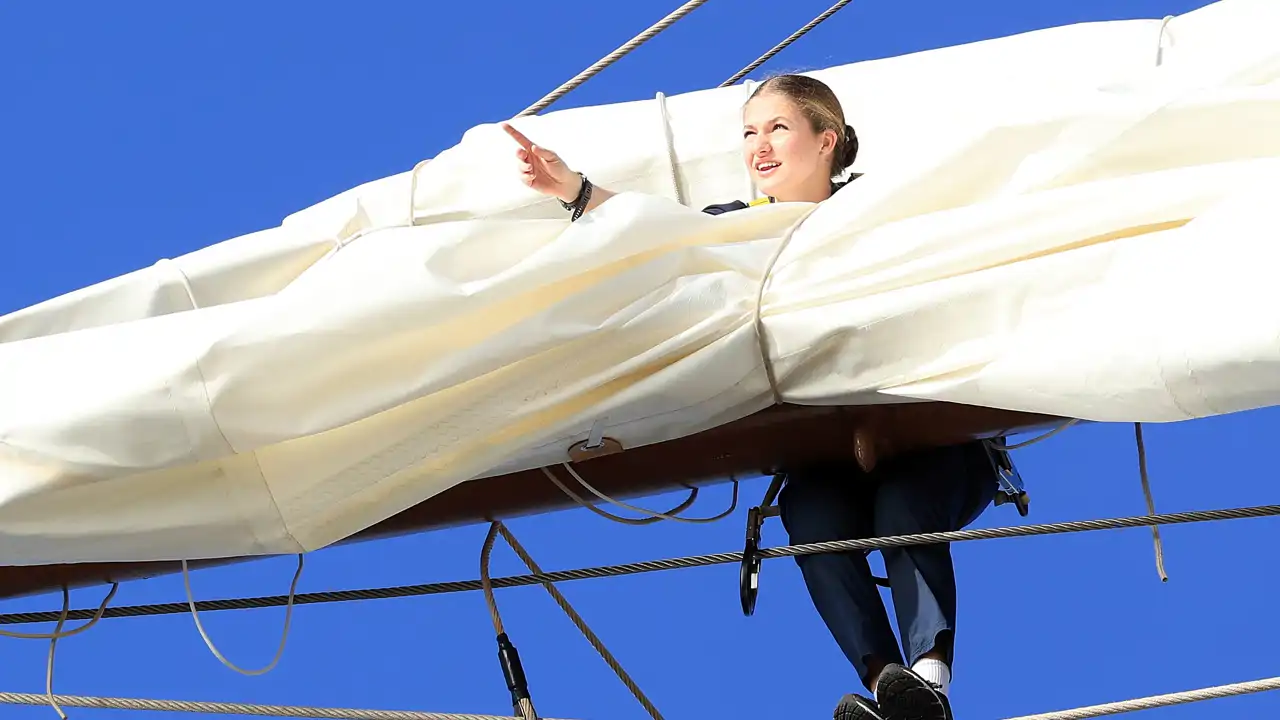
(850, 147)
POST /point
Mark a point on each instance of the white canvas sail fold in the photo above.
(1049, 223)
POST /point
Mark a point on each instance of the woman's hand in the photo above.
(543, 170)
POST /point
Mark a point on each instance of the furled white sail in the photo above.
(1050, 222)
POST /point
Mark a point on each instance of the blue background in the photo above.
(211, 120)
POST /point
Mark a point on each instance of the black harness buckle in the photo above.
(749, 569)
(1011, 487)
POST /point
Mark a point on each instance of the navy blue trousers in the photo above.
(931, 491)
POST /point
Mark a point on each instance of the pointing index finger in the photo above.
(518, 136)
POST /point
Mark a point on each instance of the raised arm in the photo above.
(544, 171)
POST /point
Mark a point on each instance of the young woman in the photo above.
(795, 142)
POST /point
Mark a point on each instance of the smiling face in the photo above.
(787, 159)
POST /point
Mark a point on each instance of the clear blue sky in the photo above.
(211, 120)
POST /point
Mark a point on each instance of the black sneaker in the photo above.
(904, 695)
(856, 707)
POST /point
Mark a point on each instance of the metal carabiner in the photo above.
(749, 569)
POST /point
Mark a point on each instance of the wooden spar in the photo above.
(760, 444)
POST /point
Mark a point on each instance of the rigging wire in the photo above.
(230, 708)
(1142, 472)
(498, 528)
(93, 616)
(1158, 701)
(1194, 516)
(666, 22)
(545, 578)
(783, 45)
(612, 57)
(225, 708)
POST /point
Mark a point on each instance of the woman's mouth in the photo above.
(767, 168)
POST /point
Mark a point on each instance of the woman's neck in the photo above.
(814, 191)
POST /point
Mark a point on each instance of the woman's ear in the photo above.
(830, 140)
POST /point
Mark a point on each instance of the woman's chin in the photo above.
(769, 186)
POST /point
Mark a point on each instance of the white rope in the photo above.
(1158, 701)
(613, 57)
(226, 708)
(653, 515)
(284, 636)
(53, 646)
(1041, 438)
(413, 191)
(758, 314)
(183, 280)
(1151, 503)
(1142, 472)
(1137, 427)
(752, 191)
(186, 572)
(1164, 26)
(60, 633)
(57, 634)
(669, 140)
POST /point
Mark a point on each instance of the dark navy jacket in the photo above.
(722, 208)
